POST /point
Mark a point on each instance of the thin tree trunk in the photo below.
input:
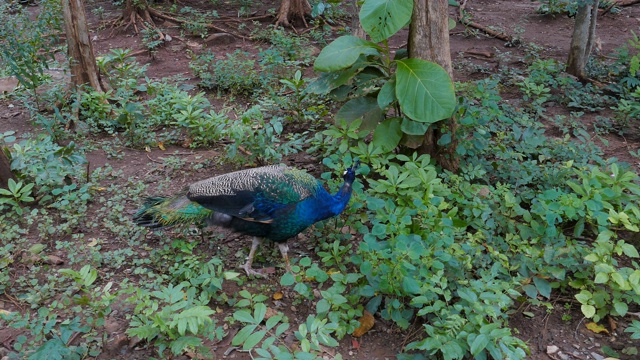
(356, 26)
(5, 170)
(80, 50)
(584, 33)
(429, 40)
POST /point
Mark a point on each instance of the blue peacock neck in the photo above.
(341, 199)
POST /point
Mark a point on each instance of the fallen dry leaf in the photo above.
(612, 324)
(270, 312)
(161, 145)
(597, 328)
(355, 344)
(366, 323)
(278, 295)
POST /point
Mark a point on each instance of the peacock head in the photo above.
(350, 174)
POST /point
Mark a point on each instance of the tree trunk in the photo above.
(292, 9)
(429, 40)
(5, 170)
(584, 33)
(137, 11)
(82, 60)
(356, 26)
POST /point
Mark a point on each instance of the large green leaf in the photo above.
(365, 108)
(411, 127)
(387, 94)
(343, 52)
(424, 90)
(328, 81)
(383, 18)
(387, 134)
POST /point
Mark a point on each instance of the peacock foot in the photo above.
(250, 271)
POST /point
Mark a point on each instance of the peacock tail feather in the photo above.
(159, 212)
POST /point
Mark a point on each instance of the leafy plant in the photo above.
(26, 46)
(16, 194)
(263, 146)
(634, 329)
(248, 337)
(151, 39)
(416, 92)
(236, 73)
(174, 317)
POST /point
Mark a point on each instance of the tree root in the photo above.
(163, 15)
(465, 20)
(136, 17)
(291, 9)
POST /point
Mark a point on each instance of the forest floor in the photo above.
(475, 56)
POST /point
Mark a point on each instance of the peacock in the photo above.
(274, 202)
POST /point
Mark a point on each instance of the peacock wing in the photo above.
(257, 194)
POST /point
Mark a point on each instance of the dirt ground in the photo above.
(541, 328)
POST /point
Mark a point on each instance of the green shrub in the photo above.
(236, 74)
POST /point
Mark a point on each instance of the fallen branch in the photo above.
(466, 21)
(619, 3)
(627, 2)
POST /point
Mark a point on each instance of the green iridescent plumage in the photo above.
(159, 212)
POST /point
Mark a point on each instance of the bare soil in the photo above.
(540, 327)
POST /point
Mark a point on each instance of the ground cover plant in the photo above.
(541, 221)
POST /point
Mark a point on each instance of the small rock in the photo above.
(167, 37)
(134, 341)
(220, 39)
(53, 260)
(563, 356)
(597, 356)
(552, 349)
(117, 345)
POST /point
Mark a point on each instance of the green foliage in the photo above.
(51, 335)
(151, 39)
(236, 74)
(634, 329)
(265, 146)
(121, 71)
(174, 317)
(462, 249)
(16, 194)
(529, 216)
(289, 48)
(27, 44)
(45, 163)
(248, 337)
(197, 20)
(555, 7)
(203, 128)
(416, 92)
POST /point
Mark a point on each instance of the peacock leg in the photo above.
(284, 250)
(247, 266)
